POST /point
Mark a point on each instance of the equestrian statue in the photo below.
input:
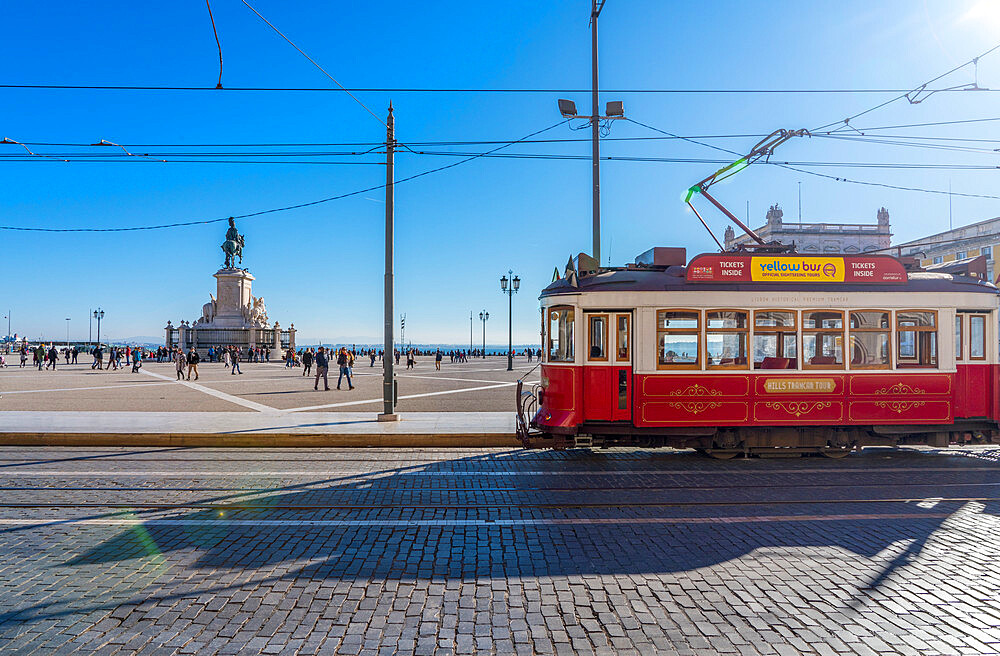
(233, 246)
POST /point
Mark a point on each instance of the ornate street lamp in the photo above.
(98, 314)
(509, 286)
(484, 317)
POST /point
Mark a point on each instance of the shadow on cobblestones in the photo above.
(653, 552)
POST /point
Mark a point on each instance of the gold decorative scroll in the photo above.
(900, 388)
(696, 407)
(899, 407)
(696, 390)
(798, 408)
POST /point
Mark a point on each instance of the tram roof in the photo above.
(674, 279)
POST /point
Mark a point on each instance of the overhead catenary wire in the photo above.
(217, 42)
(514, 90)
(921, 88)
(285, 208)
(314, 63)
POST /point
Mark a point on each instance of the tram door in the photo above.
(607, 376)
(622, 377)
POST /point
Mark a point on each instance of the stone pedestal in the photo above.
(234, 295)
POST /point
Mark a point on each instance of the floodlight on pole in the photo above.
(567, 108)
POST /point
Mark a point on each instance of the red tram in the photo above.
(765, 353)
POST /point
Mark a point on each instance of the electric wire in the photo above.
(545, 90)
(313, 62)
(922, 88)
(285, 208)
(217, 43)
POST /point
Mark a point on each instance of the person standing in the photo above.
(136, 360)
(24, 356)
(180, 362)
(437, 360)
(53, 357)
(411, 360)
(76, 352)
(307, 361)
(344, 362)
(322, 369)
(371, 354)
(192, 361)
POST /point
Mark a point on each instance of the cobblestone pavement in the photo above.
(204, 551)
(474, 386)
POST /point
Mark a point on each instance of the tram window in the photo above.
(870, 339)
(774, 340)
(677, 338)
(916, 338)
(823, 339)
(561, 344)
(959, 344)
(977, 337)
(622, 354)
(726, 339)
(598, 340)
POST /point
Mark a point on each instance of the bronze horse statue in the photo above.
(233, 246)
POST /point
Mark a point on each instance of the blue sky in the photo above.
(458, 230)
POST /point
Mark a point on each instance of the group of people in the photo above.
(321, 358)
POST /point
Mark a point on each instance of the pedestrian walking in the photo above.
(307, 361)
(53, 357)
(437, 360)
(322, 369)
(411, 361)
(180, 362)
(136, 360)
(234, 358)
(192, 361)
(344, 362)
(24, 356)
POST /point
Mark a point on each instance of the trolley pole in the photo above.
(388, 381)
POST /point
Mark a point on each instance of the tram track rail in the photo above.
(319, 487)
(489, 506)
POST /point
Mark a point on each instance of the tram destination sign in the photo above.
(721, 267)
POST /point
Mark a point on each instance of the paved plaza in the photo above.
(188, 551)
(474, 386)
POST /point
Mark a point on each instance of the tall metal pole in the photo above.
(470, 331)
(388, 382)
(595, 129)
(90, 326)
(510, 323)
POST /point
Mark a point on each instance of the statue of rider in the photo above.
(233, 246)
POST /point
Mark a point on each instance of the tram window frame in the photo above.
(628, 338)
(696, 331)
(570, 334)
(780, 333)
(960, 337)
(744, 331)
(886, 331)
(606, 319)
(981, 317)
(914, 362)
(815, 332)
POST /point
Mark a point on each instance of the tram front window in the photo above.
(561, 347)
(823, 339)
(774, 340)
